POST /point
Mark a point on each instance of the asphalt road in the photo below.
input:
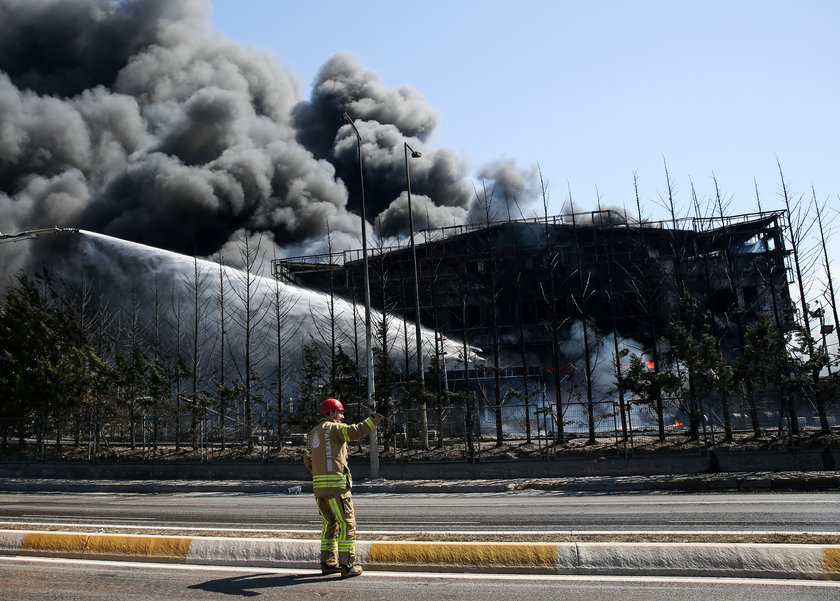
(69, 580)
(523, 511)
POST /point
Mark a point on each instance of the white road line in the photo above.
(801, 584)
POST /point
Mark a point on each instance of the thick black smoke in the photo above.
(133, 119)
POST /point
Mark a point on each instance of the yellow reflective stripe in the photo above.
(333, 480)
(346, 433)
(323, 528)
(342, 524)
(369, 423)
(329, 480)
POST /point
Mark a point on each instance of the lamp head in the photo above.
(414, 153)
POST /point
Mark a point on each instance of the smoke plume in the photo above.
(134, 119)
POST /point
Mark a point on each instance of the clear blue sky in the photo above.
(595, 91)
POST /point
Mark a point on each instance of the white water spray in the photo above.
(129, 266)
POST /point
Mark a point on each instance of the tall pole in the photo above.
(424, 426)
(374, 447)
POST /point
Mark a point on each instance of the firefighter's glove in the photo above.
(384, 407)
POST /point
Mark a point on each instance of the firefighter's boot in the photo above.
(330, 568)
(349, 571)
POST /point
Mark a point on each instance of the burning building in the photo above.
(543, 297)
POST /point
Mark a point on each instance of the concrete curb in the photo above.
(805, 562)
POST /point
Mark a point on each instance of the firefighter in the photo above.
(326, 458)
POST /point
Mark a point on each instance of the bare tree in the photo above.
(553, 323)
(286, 330)
(819, 208)
(612, 299)
(385, 380)
(485, 201)
(155, 401)
(470, 400)
(325, 338)
(178, 369)
(800, 225)
(250, 321)
(224, 391)
(651, 284)
(677, 294)
(133, 332)
(520, 322)
(96, 320)
(723, 379)
(581, 301)
(198, 342)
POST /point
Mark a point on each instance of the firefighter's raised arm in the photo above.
(353, 432)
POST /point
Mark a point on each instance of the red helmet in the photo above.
(332, 405)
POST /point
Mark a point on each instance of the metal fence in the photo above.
(450, 434)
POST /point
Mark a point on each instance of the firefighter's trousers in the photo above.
(338, 538)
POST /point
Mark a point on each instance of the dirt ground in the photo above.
(640, 445)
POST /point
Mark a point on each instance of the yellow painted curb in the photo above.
(831, 563)
(106, 546)
(464, 554)
(155, 548)
(53, 543)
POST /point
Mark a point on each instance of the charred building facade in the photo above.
(544, 296)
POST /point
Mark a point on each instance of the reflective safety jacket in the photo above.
(326, 454)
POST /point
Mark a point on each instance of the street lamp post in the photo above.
(374, 447)
(424, 426)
